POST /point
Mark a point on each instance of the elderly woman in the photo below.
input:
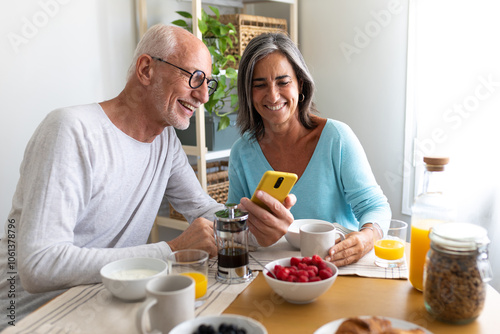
(281, 132)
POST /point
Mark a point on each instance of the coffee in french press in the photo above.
(231, 236)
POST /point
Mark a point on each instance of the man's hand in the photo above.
(199, 235)
(268, 226)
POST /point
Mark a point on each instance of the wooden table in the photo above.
(353, 296)
(349, 296)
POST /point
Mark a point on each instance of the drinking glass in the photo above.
(192, 263)
(390, 250)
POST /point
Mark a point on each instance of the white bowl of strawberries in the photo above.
(300, 280)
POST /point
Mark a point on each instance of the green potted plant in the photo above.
(218, 37)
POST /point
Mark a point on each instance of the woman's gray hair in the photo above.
(258, 48)
(158, 41)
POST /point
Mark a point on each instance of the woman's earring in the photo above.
(302, 97)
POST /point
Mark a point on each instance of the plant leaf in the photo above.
(223, 123)
(231, 72)
(216, 11)
(180, 23)
(187, 15)
(202, 26)
(216, 71)
(234, 100)
(219, 93)
(209, 106)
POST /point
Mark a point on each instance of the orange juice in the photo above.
(201, 282)
(419, 246)
(389, 249)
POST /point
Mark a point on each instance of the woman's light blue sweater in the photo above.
(337, 185)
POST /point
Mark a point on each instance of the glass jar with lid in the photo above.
(456, 272)
(432, 207)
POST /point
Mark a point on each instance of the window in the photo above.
(453, 101)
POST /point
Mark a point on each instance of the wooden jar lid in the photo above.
(436, 164)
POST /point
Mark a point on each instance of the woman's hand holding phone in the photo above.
(269, 225)
(276, 184)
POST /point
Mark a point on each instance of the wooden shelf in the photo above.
(167, 222)
(294, 16)
(172, 223)
(209, 155)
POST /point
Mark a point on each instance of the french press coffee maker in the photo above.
(231, 236)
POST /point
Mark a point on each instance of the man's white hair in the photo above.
(159, 41)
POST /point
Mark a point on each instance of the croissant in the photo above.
(405, 331)
(373, 325)
(364, 326)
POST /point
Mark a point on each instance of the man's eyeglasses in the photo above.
(197, 78)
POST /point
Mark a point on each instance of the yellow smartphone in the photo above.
(276, 184)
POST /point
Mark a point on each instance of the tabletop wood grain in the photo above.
(354, 296)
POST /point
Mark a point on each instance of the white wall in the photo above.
(55, 53)
(356, 51)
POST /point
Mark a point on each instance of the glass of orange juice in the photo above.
(192, 263)
(390, 250)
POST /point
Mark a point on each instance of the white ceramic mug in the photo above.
(170, 301)
(318, 239)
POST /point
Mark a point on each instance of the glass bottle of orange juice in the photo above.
(431, 207)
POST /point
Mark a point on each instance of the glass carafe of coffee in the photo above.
(231, 236)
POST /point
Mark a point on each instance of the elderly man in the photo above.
(93, 178)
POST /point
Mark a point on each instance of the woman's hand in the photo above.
(354, 247)
(268, 226)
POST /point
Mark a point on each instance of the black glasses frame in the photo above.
(211, 83)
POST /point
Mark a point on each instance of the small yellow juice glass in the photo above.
(192, 263)
(390, 250)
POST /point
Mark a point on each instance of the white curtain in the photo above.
(454, 106)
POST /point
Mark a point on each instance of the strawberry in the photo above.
(316, 259)
(302, 273)
(302, 265)
(303, 278)
(325, 274)
(294, 261)
(312, 273)
(278, 267)
(322, 265)
(313, 268)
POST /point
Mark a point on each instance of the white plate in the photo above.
(331, 327)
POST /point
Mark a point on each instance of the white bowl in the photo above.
(299, 292)
(249, 324)
(293, 233)
(127, 278)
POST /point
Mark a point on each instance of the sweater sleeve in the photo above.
(361, 190)
(53, 191)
